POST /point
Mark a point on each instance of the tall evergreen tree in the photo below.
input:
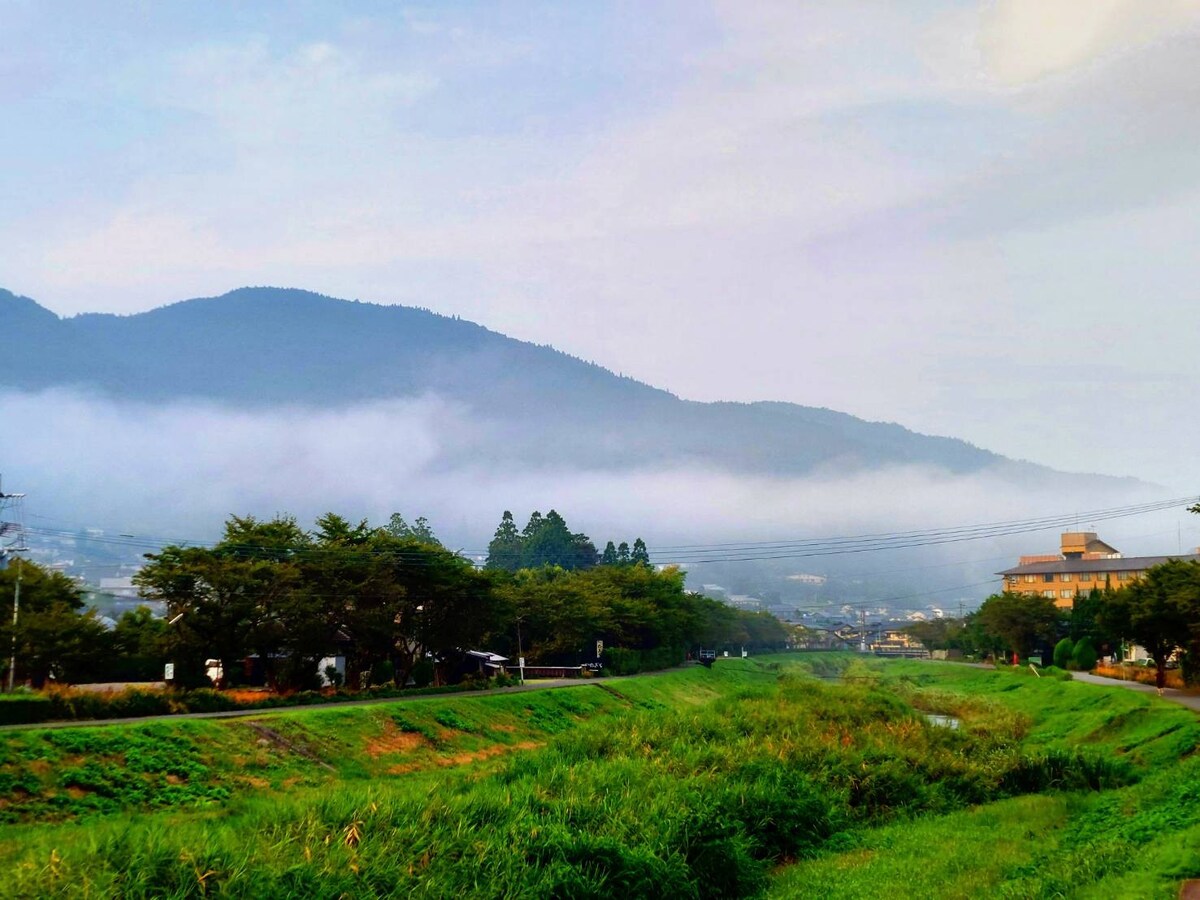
(640, 554)
(505, 549)
(418, 531)
(623, 554)
(609, 557)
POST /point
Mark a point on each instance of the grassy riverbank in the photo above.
(749, 778)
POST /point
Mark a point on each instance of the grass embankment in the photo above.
(1139, 840)
(695, 783)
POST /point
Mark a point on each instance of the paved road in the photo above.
(539, 685)
(1191, 701)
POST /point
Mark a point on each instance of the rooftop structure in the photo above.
(1084, 562)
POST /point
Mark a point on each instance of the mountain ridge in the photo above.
(261, 346)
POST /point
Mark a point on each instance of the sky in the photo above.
(975, 219)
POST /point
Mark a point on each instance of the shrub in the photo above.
(423, 672)
(1062, 652)
(383, 672)
(23, 709)
(621, 661)
(333, 676)
(1084, 656)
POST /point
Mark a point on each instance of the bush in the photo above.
(23, 709)
(423, 672)
(1062, 652)
(621, 661)
(333, 676)
(383, 672)
(1084, 656)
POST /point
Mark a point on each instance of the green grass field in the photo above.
(755, 778)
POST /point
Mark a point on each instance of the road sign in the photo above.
(599, 648)
(169, 672)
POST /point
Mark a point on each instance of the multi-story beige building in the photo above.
(1084, 562)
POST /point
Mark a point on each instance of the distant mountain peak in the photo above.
(256, 347)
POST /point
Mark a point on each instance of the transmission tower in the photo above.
(12, 542)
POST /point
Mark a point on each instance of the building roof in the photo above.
(1120, 564)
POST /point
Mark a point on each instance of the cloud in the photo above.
(835, 204)
(1026, 40)
(180, 469)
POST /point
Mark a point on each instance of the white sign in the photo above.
(521, 662)
(169, 672)
(599, 648)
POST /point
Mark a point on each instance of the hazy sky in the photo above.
(976, 219)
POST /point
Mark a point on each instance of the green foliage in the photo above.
(383, 672)
(19, 709)
(1062, 652)
(1160, 611)
(419, 531)
(702, 796)
(1018, 622)
(621, 661)
(1084, 655)
(270, 589)
(423, 672)
(55, 636)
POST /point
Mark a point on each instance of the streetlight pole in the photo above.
(520, 654)
(12, 664)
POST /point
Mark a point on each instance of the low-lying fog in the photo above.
(179, 470)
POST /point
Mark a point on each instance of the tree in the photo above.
(504, 551)
(1062, 652)
(1084, 654)
(56, 637)
(418, 531)
(1019, 622)
(640, 554)
(609, 556)
(623, 558)
(1158, 611)
(549, 542)
(1085, 619)
(139, 643)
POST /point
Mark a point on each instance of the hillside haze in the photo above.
(266, 347)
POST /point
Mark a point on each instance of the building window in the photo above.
(1049, 594)
(1048, 577)
(1085, 576)
(1122, 576)
(1065, 576)
(1029, 579)
(1066, 593)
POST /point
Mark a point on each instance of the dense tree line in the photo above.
(548, 541)
(1160, 612)
(57, 638)
(392, 600)
(383, 597)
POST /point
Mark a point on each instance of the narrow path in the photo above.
(1191, 701)
(540, 685)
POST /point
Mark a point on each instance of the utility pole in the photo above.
(12, 542)
(862, 631)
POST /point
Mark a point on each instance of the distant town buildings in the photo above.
(1084, 562)
(807, 578)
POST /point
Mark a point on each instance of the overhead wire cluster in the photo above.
(693, 554)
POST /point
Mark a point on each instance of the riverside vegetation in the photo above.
(805, 775)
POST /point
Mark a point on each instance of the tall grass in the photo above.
(691, 786)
